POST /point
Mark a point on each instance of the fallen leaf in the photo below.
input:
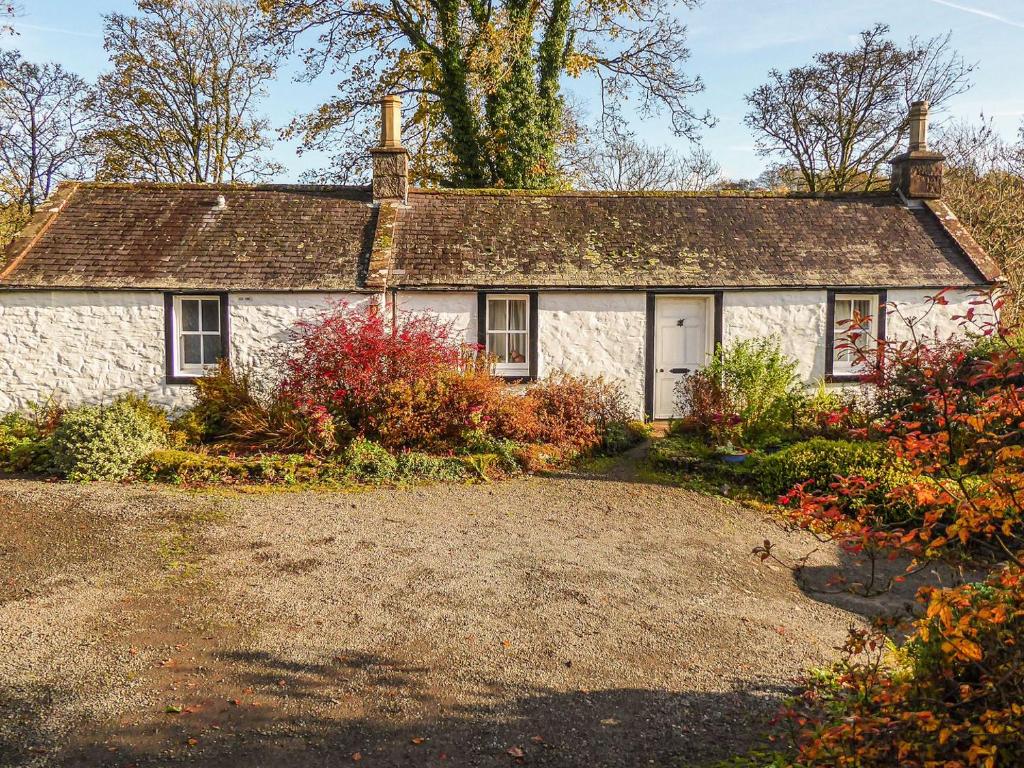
(234, 702)
(516, 752)
(193, 742)
(357, 756)
(537, 739)
(417, 740)
(172, 709)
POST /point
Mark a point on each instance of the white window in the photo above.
(855, 332)
(508, 334)
(198, 336)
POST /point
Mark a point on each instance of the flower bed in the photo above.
(349, 398)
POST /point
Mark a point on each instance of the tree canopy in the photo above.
(840, 119)
(483, 77)
(984, 184)
(43, 126)
(180, 102)
(617, 160)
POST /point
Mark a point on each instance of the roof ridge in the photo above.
(227, 186)
(682, 194)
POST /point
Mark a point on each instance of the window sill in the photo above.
(183, 379)
(844, 378)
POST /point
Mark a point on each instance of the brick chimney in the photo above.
(390, 158)
(917, 173)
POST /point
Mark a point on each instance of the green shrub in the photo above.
(679, 453)
(506, 452)
(105, 442)
(415, 466)
(370, 462)
(178, 466)
(749, 393)
(23, 446)
(819, 461)
(620, 436)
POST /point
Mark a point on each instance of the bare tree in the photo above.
(841, 118)
(180, 103)
(984, 184)
(616, 160)
(43, 125)
(8, 12)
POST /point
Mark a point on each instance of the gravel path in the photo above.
(563, 621)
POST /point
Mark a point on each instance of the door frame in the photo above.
(715, 297)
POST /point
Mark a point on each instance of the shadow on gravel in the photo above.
(844, 585)
(616, 727)
(22, 728)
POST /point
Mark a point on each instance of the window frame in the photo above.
(843, 373)
(175, 372)
(526, 371)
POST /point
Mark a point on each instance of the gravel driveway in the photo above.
(563, 621)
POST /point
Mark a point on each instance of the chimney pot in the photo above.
(390, 158)
(919, 126)
(917, 173)
(391, 122)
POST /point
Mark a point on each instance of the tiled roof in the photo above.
(679, 240)
(331, 238)
(175, 236)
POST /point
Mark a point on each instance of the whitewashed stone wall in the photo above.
(82, 347)
(935, 322)
(260, 321)
(455, 307)
(91, 346)
(594, 334)
(797, 318)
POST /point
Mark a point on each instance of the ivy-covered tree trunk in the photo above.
(487, 77)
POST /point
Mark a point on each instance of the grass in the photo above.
(182, 551)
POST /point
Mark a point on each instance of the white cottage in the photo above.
(141, 287)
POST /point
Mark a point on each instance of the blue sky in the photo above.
(734, 43)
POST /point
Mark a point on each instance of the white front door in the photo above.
(683, 342)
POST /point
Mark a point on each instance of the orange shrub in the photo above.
(574, 411)
(952, 696)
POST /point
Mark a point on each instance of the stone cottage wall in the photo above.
(595, 334)
(81, 346)
(89, 346)
(260, 322)
(797, 318)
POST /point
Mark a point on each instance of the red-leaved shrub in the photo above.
(407, 382)
(953, 693)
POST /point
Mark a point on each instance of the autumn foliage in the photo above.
(409, 382)
(952, 695)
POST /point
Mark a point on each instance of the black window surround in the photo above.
(481, 325)
(170, 342)
(719, 331)
(830, 330)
